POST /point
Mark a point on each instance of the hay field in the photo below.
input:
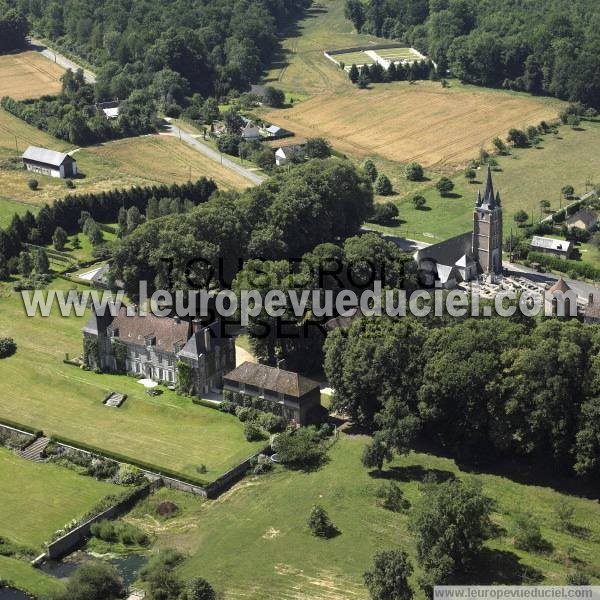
(28, 75)
(140, 161)
(424, 122)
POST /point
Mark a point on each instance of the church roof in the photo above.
(560, 286)
(489, 200)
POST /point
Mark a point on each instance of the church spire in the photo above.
(489, 197)
(490, 200)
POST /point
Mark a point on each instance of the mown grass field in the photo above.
(253, 542)
(525, 177)
(37, 499)
(356, 58)
(398, 54)
(169, 431)
(440, 128)
(28, 75)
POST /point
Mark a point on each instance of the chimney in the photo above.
(591, 298)
(196, 325)
(176, 319)
(207, 341)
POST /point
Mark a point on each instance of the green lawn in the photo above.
(37, 498)
(37, 389)
(354, 58)
(253, 542)
(28, 579)
(526, 177)
(9, 207)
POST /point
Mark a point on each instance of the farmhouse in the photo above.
(560, 248)
(153, 346)
(466, 256)
(291, 395)
(585, 219)
(49, 162)
(250, 131)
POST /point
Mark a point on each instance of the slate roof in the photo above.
(489, 201)
(560, 286)
(170, 335)
(550, 244)
(43, 155)
(448, 252)
(272, 379)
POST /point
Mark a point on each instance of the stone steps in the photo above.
(35, 450)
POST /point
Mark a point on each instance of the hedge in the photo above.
(131, 461)
(565, 266)
(22, 427)
(206, 403)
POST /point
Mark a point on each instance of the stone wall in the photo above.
(74, 538)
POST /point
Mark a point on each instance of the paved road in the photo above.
(61, 60)
(197, 144)
(171, 129)
(582, 288)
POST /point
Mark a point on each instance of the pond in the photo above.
(128, 565)
(6, 594)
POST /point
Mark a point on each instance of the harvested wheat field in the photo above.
(28, 75)
(436, 126)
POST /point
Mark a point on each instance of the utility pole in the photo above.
(17, 144)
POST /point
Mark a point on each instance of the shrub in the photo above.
(7, 347)
(33, 184)
(201, 468)
(69, 184)
(390, 497)
(252, 432)
(383, 185)
(199, 589)
(319, 522)
(167, 509)
(578, 578)
(94, 580)
(528, 535)
(227, 407)
(414, 171)
(129, 475)
(565, 511)
(384, 214)
(388, 579)
(419, 202)
(272, 423)
(370, 170)
(246, 413)
(299, 449)
(444, 186)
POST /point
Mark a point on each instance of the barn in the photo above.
(49, 162)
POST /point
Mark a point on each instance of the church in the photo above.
(471, 254)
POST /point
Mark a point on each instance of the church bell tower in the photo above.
(487, 229)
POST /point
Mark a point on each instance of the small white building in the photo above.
(284, 154)
(560, 248)
(250, 131)
(49, 162)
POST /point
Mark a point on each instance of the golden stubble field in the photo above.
(28, 75)
(424, 122)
